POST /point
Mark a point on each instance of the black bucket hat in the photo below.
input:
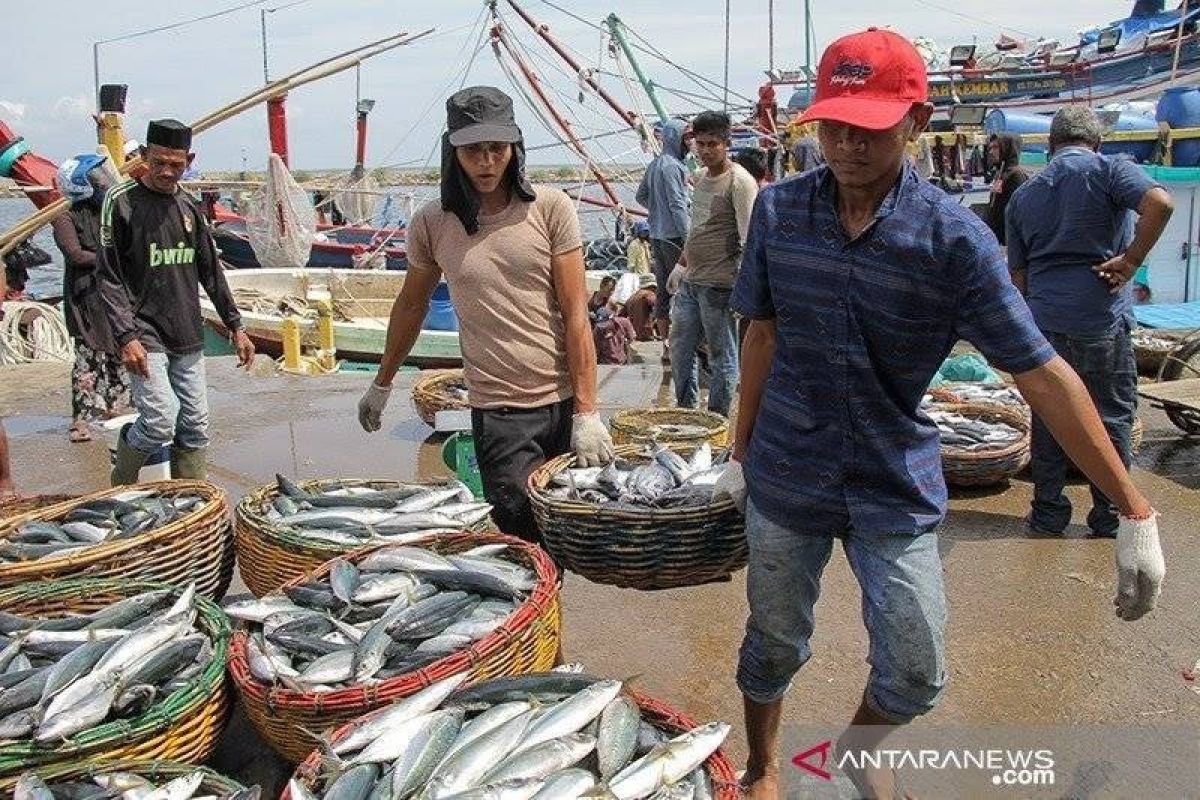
(481, 114)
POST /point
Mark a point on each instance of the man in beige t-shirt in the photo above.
(512, 257)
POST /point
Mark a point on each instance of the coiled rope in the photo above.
(34, 332)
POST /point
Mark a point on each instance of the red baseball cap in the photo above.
(869, 79)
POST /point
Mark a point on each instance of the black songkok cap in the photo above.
(170, 133)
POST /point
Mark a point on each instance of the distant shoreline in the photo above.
(327, 179)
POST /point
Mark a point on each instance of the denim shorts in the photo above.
(903, 608)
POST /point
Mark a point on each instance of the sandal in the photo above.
(79, 433)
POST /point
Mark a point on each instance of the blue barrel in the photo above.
(1180, 108)
(1000, 120)
(1141, 151)
(441, 316)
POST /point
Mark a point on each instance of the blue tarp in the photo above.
(1168, 315)
(1134, 27)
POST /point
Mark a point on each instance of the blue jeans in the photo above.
(172, 403)
(903, 609)
(703, 311)
(1108, 368)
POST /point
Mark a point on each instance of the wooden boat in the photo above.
(338, 247)
(362, 298)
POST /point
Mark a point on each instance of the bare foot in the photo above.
(873, 783)
(761, 784)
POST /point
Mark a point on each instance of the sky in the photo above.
(46, 94)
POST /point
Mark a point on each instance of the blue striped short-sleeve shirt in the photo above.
(862, 326)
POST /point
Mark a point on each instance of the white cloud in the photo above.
(67, 107)
(13, 110)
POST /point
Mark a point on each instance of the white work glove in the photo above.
(675, 278)
(370, 408)
(1140, 567)
(732, 484)
(590, 440)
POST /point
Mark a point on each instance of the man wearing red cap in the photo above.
(859, 278)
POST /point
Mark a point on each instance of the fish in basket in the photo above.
(143, 780)
(359, 515)
(651, 519)
(102, 679)
(95, 522)
(384, 623)
(546, 736)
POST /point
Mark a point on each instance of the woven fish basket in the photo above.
(527, 642)
(182, 727)
(987, 467)
(1152, 352)
(18, 506)
(196, 548)
(269, 556)
(157, 772)
(430, 393)
(638, 426)
(654, 549)
(720, 770)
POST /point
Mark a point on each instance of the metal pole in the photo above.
(725, 100)
(262, 17)
(771, 35)
(808, 51)
(617, 29)
(96, 73)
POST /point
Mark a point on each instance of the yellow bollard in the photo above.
(327, 351)
(112, 136)
(291, 345)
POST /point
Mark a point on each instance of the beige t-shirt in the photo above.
(721, 209)
(510, 326)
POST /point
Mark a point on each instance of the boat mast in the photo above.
(725, 97)
(617, 29)
(771, 35)
(499, 40)
(808, 51)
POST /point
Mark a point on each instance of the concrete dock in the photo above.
(1032, 638)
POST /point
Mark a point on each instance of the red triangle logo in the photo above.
(814, 760)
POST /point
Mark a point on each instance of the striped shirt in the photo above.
(862, 326)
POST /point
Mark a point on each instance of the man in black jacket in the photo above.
(155, 251)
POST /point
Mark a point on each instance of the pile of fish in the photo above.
(122, 786)
(995, 393)
(666, 481)
(681, 430)
(455, 389)
(545, 736)
(400, 609)
(107, 519)
(353, 516)
(967, 433)
(1146, 340)
(63, 675)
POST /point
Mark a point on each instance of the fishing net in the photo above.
(280, 220)
(356, 200)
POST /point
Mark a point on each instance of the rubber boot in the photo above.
(187, 463)
(128, 463)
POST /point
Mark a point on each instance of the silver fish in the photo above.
(617, 737)
(379, 723)
(543, 759)
(566, 784)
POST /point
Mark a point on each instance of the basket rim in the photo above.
(247, 514)
(540, 599)
(1007, 415)
(717, 765)
(215, 502)
(623, 419)
(145, 767)
(159, 717)
(539, 480)
(431, 380)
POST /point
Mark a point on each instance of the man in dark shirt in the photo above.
(155, 251)
(859, 278)
(1072, 249)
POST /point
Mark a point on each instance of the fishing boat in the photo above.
(1132, 58)
(336, 247)
(361, 301)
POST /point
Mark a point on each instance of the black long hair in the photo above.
(459, 195)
